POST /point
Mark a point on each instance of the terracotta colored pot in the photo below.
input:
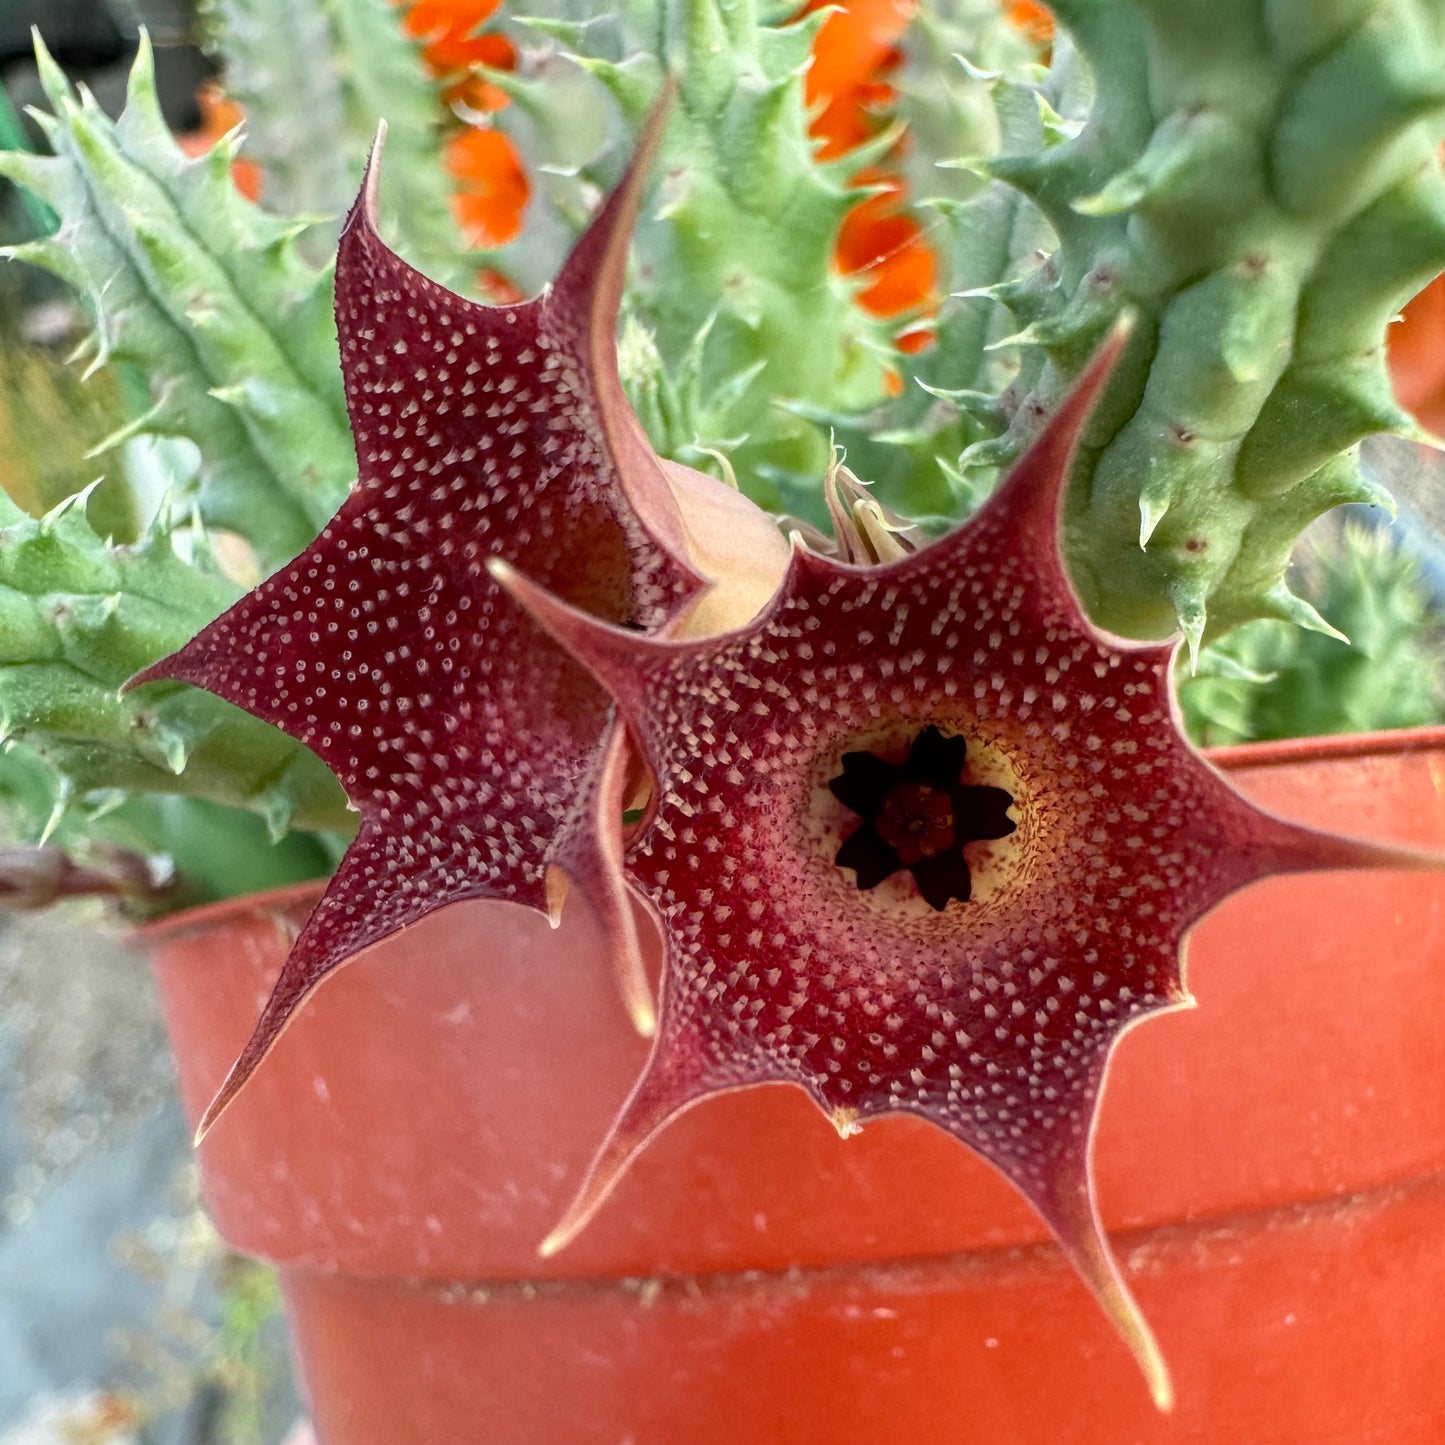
(1272, 1166)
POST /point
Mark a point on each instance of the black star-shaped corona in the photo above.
(918, 815)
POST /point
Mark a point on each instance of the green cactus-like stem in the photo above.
(78, 616)
(1258, 182)
(955, 401)
(280, 67)
(314, 77)
(740, 319)
(206, 295)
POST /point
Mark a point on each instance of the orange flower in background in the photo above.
(846, 84)
(1033, 19)
(492, 185)
(884, 247)
(1417, 357)
(847, 90)
(219, 116)
(451, 47)
(493, 188)
(446, 29)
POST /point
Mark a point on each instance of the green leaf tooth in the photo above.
(53, 80)
(43, 176)
(50, 126)
(1190, 600)
(1000, 291)
(76, 502)
(65, 794)
(1183, 162)
(633, 83)
(49, 257)
(1154, 503)
(1034, 334)
(990, 452)
(786, 51)
(145, 423)
(1312, 414)
(1057, 128)
(1033, 175)
(1123, 193)
(869, 153)
(83, 613)
(710, 74)
(277, 809)
(1290, 607)
(1255, 331)
(1344, 482)
(143, 103)
(974, 165)
(572, 33)
(1081, 321)
(983, 406)
(174, 745)
(1220, 664)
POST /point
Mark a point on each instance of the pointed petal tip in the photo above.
(363, 211)
(1100, 367)
(610, 653)
(566, 1231)
(578, 1215)
(556, 884)
(633, 982)
(643, 1016)
(556, 618)
(154, 673)
(667, 1088)
(1072, 1216)
(218, 1105)
(1145, 1348)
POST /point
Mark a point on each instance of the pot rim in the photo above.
(1234, 758)
(228, 910)
(1328, 748)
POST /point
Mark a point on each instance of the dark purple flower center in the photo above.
(916, 821)
(918, 815)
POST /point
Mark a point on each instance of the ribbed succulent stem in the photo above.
(78, 616)
(207, 297)
(314, 77)
(1259, 183)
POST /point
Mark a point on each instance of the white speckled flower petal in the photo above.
(468, 742)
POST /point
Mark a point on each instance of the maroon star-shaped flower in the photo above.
(469, 743)
(994, 1019)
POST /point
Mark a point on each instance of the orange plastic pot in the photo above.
(1271, 1165)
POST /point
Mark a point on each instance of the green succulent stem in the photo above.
(1259, 184)
(78, 616)
(207, 297)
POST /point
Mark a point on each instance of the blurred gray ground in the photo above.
(120, 1312)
